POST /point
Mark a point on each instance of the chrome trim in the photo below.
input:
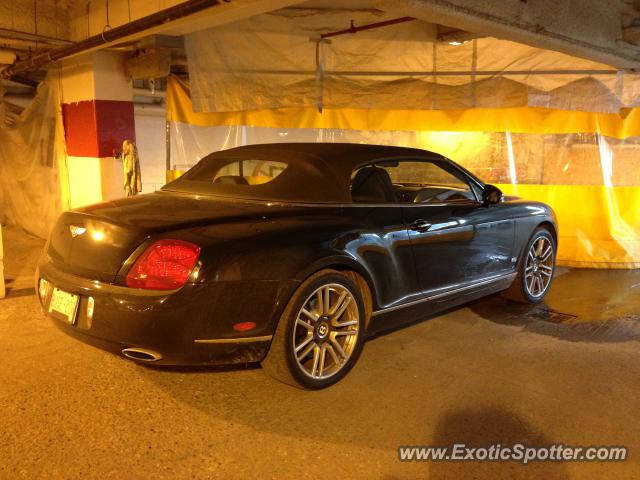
(264, 338)
(130, 353)
(448, 292)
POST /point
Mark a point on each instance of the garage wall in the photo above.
(150, 140)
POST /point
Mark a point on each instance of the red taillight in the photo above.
(165, 265)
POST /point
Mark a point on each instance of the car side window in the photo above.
(419, 182)
(410, 181)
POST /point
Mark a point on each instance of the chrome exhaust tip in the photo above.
(141, 355)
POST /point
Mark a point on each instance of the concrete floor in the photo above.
(489, 372)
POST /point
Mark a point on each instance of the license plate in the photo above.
(64, 304)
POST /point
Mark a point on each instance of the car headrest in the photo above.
(231, 180)
(372, 184)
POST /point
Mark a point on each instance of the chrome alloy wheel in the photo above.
(326, 331)
(539, 269)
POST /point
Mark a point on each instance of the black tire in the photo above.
(520, 290)
(281, 362)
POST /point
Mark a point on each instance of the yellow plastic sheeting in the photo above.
(599, 226)
(514, 120)
(582, 164)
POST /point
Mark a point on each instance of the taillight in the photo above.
(165, 265)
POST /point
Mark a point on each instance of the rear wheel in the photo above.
(320, 334)
(535, 269)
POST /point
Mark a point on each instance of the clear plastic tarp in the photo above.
(32, 160)
(591, 179)
(274, 61)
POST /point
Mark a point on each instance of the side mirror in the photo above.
(491, 195)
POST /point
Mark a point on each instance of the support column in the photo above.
(98, 116)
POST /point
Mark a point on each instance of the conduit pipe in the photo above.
(110, 35)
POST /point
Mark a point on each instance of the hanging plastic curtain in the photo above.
(32, 162)
(585, 165)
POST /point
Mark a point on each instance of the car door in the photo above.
(455, 239)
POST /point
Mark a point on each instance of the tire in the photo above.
(315, 347)
(538, 261)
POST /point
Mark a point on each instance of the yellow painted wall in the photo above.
(93, 180)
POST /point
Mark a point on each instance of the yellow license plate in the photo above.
(65, 304)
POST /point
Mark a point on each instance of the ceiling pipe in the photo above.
(9, 34)
(111, 35)
(362, 28)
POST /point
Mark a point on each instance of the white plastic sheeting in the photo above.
(270, 61)
(31, 151)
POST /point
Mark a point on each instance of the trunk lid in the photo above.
(94, 242)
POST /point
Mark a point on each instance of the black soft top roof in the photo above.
(316, 172)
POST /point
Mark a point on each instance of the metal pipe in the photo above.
(155, 19)
(370, 26)
(10, 34)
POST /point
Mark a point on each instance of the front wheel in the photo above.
(320, 334)
(535, 269)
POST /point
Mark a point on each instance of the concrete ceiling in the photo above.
(604, 31)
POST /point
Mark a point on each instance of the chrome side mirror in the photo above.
(491, 195)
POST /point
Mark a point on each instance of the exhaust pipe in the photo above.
(141, 355)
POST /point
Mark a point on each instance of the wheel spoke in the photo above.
(547, 253)
(319, 301)
(539, 246)
(545, 273)
(304, 324)
(346, 324)
(304, 343)
(338, 303)
(306, 351)
(323, 354)
(539, 283)
(332, 352)
(316, 358)
(308, 314)
(327, 301)
(340, 310)
(547, 268)
(338, 348)
(346, 332)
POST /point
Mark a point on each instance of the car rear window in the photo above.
(245, 172)
(289, 177)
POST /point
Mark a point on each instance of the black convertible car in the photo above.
(290, 255)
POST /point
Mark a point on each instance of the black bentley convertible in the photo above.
(290, 255)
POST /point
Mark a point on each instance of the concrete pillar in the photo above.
(97, 110)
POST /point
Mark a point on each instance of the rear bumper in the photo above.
(191, 326)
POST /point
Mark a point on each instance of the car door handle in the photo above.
(420, 226)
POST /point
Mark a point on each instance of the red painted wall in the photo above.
(95, 128)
